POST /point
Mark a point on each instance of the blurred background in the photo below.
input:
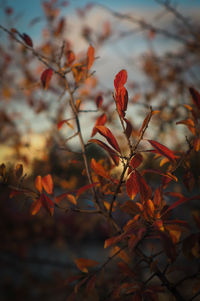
(157, 42)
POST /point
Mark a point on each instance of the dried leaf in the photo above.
(46, 77)
(47, 184)
(104, 131)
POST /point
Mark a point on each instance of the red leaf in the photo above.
(47, 184)
(132, 186)
(70, 56)
(46, 77)
(27, 39)
(145, 123)
(144, 189)
(195, 97)
(84, 188)
(129, 128)
(121, 98)
(120, 79)
(162, 150)
(136, 161)
(99, 101)
(99, 169)
(111, 152)
(47, 203)
(90, 57)
(104, 131)
(181, 201)
(101, 120)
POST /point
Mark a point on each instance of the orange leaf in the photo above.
(38, 183)
(136, 160)
(111, 152)
(60, 124)
(46, 77)
(83, 264)
(84, 188)
(99, 169)
(162, 150)
(101, 120)
(47, 184)
(70, 57)
(190, 124)
(104, 131)
(35, 207)
(113, 240)
(150, 207)
(196, 144)
(120, 79)
(90, 57)
(72, 199)
(145, 123)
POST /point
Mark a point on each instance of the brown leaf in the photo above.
(104, 131)
(46, 77)
(47, 184)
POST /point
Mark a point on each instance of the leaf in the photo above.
(150, 207)
(47, 203)
(144, 189)
(35, 207)
(46, 77)
(195, 97)
(190, 124)
(181, 201)
(132, 187)
(121, 98)
(83, 264)
(130, 208)
(120, 79)
(162, 150)
(104, 131)
(60, 124)
(158, 197)
(84, 188)
(196, 144)
(99, 101)
(136, 161)
(47, 184)
(101, 120)
(144, 124)
(113, 240)
(129, 128)
(38, 183)
(27, 39)
(90, 56)
(168, 174)
(111, 152)
(19, 170)
(99, 169)
(70, 57)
